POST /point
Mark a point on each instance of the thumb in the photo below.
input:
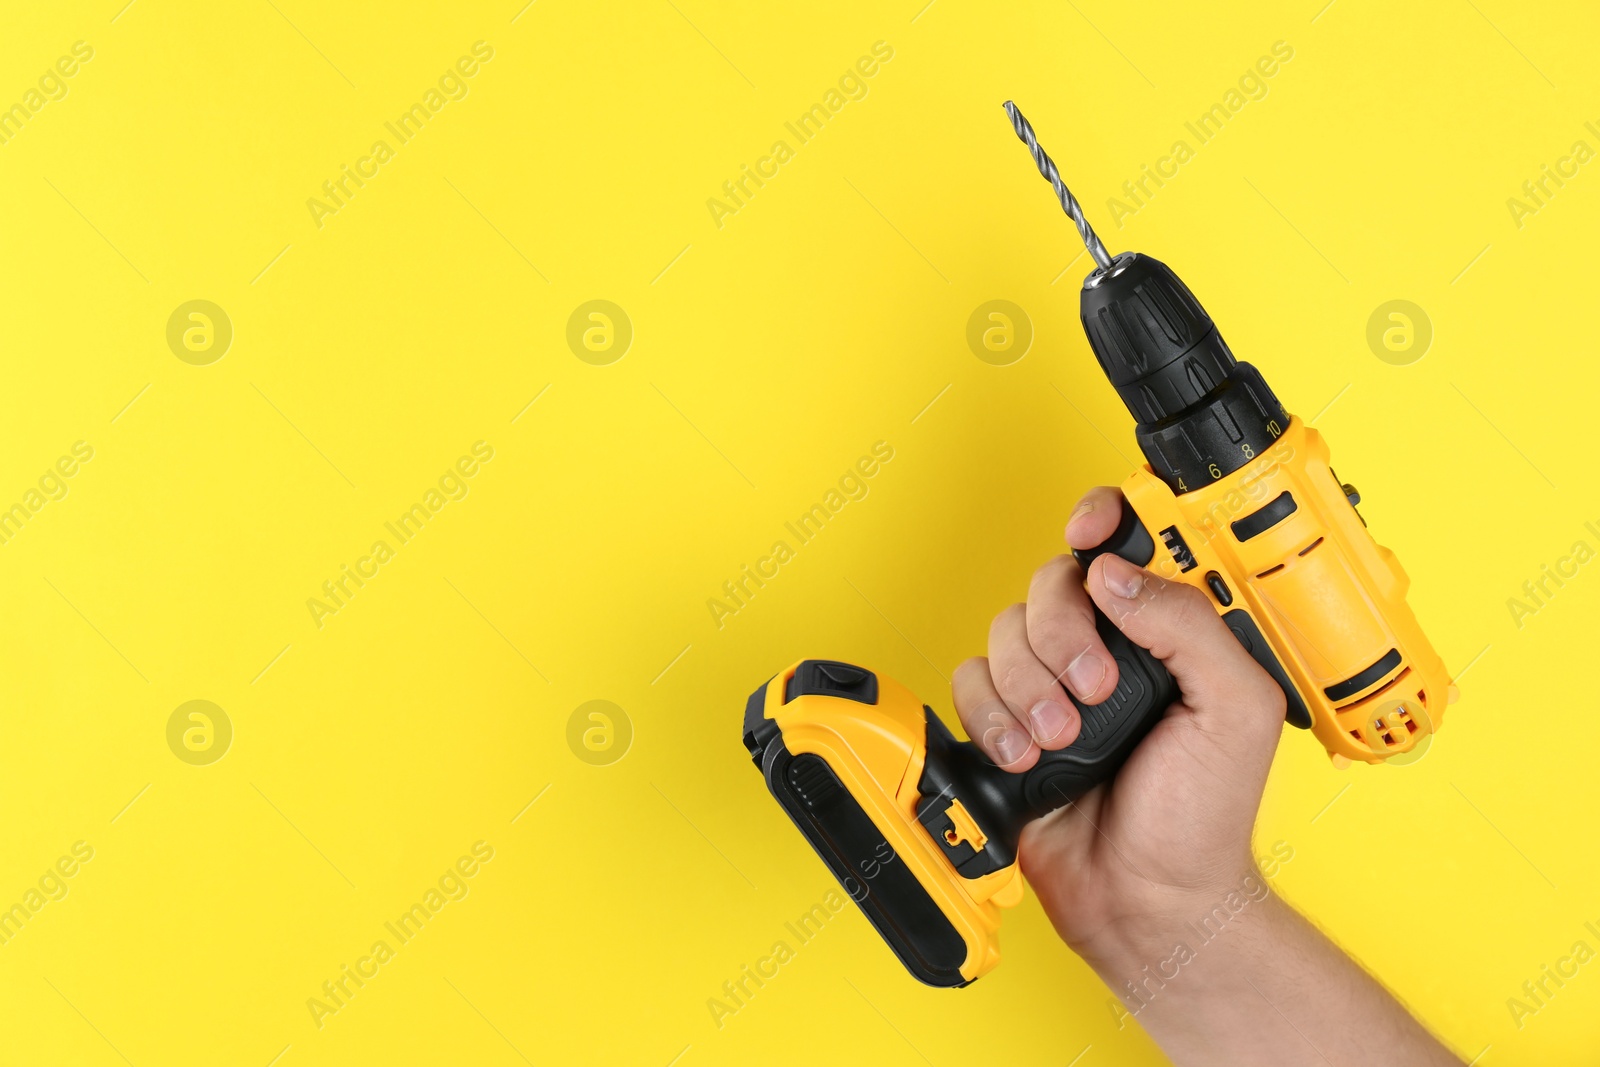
(1176, 622)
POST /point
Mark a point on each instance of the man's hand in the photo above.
(1127, 870)
(1170, 835)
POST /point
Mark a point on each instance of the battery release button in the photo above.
(830, 678)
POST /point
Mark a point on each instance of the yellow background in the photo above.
(768, 354)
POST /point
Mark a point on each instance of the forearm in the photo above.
(1245, 979)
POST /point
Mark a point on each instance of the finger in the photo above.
(988, 721)
(1062, 635)
(1028, 687)
(1177, 624)
(1095, 518)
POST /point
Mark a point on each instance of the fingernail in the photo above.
(1012, 745)
(1085, 674)
(1121, 578)
(1048, 719)
(1080, 511)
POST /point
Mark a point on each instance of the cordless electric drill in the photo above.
(1236, 499)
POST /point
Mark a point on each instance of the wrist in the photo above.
(1160, 927)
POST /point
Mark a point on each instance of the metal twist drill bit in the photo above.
(1069, 203)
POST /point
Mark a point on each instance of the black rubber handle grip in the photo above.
(1112, 728)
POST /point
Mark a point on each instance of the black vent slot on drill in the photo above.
(813, 782)
(1357, 682)
(1179, 548)
(1265, 518)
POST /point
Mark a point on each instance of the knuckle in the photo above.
(974, 668)
(1013, 686)
(1186, 605)
(1007, 619)
(1104, 495)
(1006, 683)
(1053, 570)
(1052, 633)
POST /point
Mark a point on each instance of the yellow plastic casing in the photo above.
(878, 751)
(1328, 598)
